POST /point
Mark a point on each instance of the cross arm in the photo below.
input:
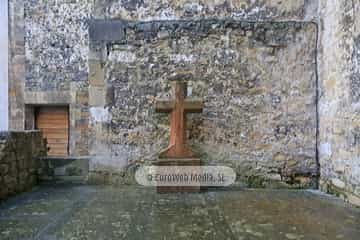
(193, 106)
(164, 106)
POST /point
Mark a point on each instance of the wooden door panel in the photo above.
(54, 123)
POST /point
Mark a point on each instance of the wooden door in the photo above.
(54, 124)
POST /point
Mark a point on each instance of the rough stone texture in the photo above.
(257, 81)
(56, 44)
(262, 10)
(64, 66)
(16, 65)
(110, 75)
(57, 61)
(19, 161)
(339, 101)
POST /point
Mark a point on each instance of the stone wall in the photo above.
(64, 65)
(260, 110)
(257, 80)
(280, 81)
(56, 54)
(339, 102)
(266, 130)
(253, 62)
(19, 161)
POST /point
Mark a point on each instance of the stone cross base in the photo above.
(195, 162)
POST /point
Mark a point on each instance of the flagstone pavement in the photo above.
(70, 211)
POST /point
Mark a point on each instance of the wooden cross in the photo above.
(178, 108)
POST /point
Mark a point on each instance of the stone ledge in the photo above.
(8, 133)
(178, 162)
(338, 188)
(60, 167)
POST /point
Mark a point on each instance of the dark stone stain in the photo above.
(356, 136)
(106, 30)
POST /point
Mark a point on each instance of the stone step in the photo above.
(178, 162)
(64, 168)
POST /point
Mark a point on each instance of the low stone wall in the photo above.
(344, 190)
(19, 161)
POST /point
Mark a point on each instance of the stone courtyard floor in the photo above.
(98, 212)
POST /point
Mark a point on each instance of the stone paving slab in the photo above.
(56, 212)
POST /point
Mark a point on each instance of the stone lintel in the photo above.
(48, 98)
(101, 30)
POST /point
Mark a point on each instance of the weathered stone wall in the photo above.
(339, 102)
(258, 82)
(250, 61)
(57, 61)
(56, 44)
(19, 161)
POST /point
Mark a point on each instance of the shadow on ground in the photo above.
(65, 211)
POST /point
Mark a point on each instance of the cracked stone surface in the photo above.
(97, 212)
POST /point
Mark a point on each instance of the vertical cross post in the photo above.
(178, 108)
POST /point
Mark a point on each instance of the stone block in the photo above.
(102, 30)
(338, 183)
(97, 177)
(355, 200)
(303, 181)
(22, 163)
(3, 193)
(23, 176)
(82, 124)
(4, 169)
(10, 181)
(97, 96)
(274, 176)
(13, 169)
(96, 75)
(97, 51)
(82, 97)
(50, 97)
